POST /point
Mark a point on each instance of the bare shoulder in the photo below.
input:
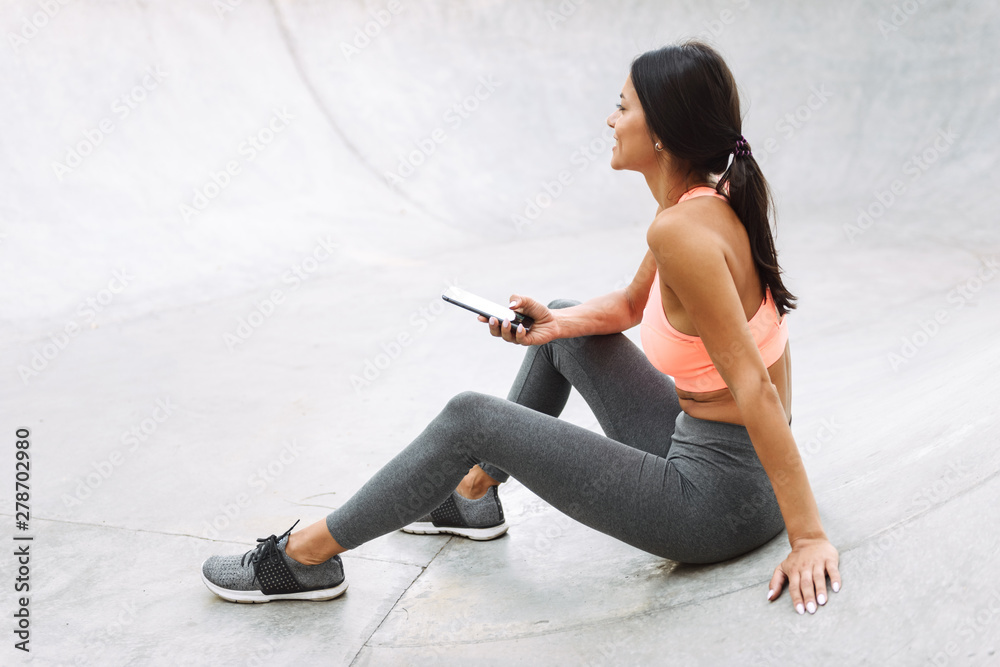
(688, 233)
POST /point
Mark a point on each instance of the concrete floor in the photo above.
(222, 316)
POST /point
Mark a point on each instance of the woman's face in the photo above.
(633, 147)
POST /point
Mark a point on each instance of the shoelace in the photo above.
(265, 550)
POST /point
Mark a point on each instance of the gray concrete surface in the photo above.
(231, 368)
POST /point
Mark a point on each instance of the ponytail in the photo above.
(750, 197)
(691, 104)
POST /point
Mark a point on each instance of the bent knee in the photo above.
(469, 403)
(473, 418)
(563, 303)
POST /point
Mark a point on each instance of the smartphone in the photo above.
(478, 304)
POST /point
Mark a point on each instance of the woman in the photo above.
(699, 467)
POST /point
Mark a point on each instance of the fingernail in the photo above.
(770, 593)
(512, 304)
(799, 608)
(836, 587)
(520, 327)
(493, 321)
(821, 599)
(811, 607)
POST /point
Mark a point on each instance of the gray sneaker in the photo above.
(480, 519)
(267, 573)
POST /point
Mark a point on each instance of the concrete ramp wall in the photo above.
(224, 231)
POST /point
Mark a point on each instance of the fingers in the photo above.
(777, 583)
(509, 333)
(805, 571)
(832, 569)
(794, 579)
(519, 302)
(808, 591)
(528, 306)
(494, 327)
(521, 335)
(819, 581)
(504, 328)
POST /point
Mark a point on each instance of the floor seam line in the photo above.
(393, 607)
(199, 537)
(693, 601)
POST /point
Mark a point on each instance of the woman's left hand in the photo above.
(805, 570)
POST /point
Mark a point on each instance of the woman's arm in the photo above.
(611, 313)
(694, 266)
(608, 313)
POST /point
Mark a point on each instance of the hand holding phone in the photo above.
(485, 307)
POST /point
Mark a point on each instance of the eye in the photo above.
(620, 107)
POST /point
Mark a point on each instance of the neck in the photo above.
(667, 188)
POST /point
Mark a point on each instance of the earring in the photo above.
(657, 146)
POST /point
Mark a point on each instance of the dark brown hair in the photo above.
(692, 106)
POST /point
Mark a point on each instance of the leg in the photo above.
(707, 501)
(634, 402)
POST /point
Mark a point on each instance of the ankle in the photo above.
(474, 490)
(297, 550)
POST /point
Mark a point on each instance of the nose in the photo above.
(613, 118)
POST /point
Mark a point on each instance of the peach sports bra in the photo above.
(684, 356)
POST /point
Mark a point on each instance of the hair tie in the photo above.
(742, 148)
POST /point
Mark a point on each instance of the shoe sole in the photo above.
(479, 534)
(256, 597)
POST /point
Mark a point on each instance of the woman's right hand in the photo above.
(544, 329)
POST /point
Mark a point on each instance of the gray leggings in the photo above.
(679, 487)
